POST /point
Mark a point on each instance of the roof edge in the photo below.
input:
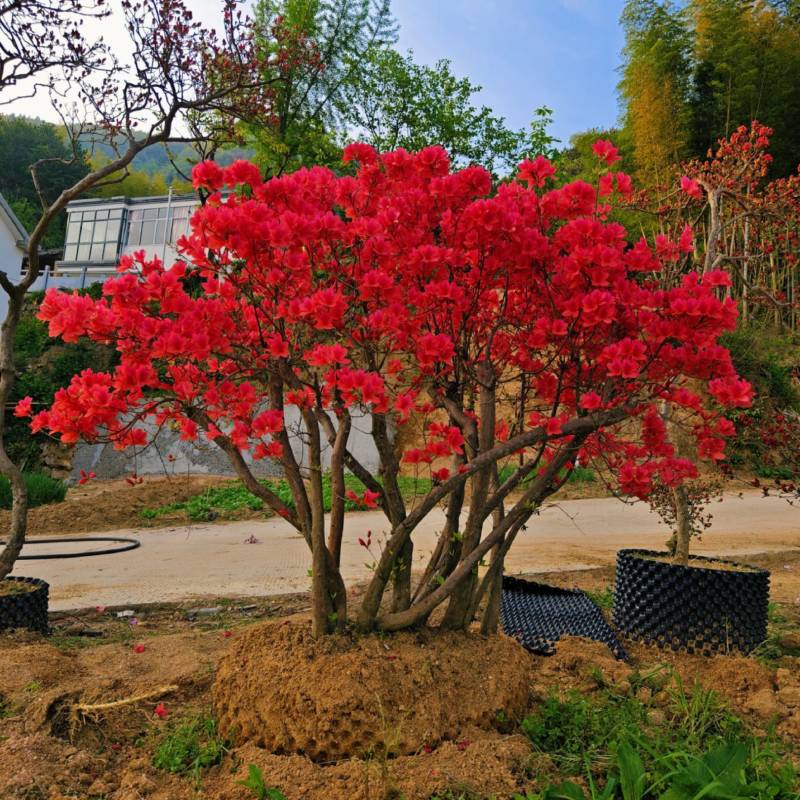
(12, 218)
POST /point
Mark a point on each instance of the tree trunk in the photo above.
(457, 615)
(401, 586)
(19, 493)
(336, 526)
(322, 615)
(683, 528)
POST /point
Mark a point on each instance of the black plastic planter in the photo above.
(25, 609)
(695, 609)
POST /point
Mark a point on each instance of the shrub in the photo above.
(42, 489)
(346, 300)
(222, 501)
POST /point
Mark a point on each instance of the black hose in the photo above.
(129, 544)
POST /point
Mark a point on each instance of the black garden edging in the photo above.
(538, 615)
(26, 609)
(694, 609)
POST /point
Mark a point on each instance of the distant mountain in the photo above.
(154, 159)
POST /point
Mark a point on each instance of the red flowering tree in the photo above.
(519, 330)
(749, 227)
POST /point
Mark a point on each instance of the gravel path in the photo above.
(214, 560)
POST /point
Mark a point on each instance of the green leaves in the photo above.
(392, 101)
(632, 776)
(256, 784)
(696, 750)
(719, 775)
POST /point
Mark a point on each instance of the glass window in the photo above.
(134, 230)
(180, 222)
(155, 225)
(74, 227)
(148, 232)
(91, 237)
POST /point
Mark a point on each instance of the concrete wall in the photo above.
(203, 458)
(10, 257)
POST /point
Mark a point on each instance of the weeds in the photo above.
(604, 599)
(773, 648)
(257, 785)
(190, 747)
(678, 744)
(575, 730)
(726, 772)
(233, 497)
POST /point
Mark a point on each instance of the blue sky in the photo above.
(525, 53)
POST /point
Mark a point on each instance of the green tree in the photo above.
(23, 142)
(578, 162)
(137, 182)
(747, 66)
(308, 92)
(655, 86)
(693, 73)
(395, 102)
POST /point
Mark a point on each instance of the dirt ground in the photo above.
(59, 738)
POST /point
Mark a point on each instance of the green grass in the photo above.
(233, 497)
(578, 474)
(773, 648)
(604, 598)
(42, 489)
(685, 746)
(190, 747)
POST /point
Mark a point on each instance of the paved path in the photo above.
(214, 560)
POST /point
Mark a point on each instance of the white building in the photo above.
(13, 243)
(100, 231)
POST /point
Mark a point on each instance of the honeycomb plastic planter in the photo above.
(26, 607)
(721, 608)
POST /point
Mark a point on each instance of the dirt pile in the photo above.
(349, 696)
(115, 504)
(489, 765)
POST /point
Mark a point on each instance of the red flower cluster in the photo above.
(384, 291)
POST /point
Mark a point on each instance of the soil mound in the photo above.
(282, 690)
(488, 765)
